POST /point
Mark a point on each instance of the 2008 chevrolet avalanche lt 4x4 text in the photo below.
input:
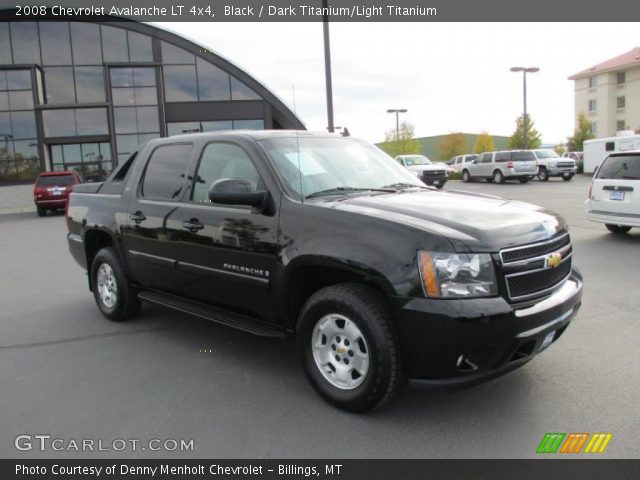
(379, 277)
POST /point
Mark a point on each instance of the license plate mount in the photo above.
(616, 195)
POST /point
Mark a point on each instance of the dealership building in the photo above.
(84, 95)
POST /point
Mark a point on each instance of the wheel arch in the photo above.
(96, 239)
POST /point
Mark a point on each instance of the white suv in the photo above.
(614, 197)
(500, 166)
(552, 165)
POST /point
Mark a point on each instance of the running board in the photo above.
(218, 315)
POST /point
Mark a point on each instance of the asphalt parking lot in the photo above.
(67, 372)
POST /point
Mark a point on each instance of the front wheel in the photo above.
(543, 175)
(349, 347)
(524, 180)
(439, 186)
(566, 178)
(112, 288)
(617, 229)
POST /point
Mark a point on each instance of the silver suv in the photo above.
(552, 165)
(501, 166)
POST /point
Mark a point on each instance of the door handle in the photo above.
(137, 217)
(193, 225)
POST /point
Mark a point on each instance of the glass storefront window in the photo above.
(24, 39)
(89, 84)
(176, 55)
(179, 128)
(4, 101)
(5, 52)
(55, 43)
(180, 83)
(59, 123)
(18, 79)
(114, 44)
(217, 125)
(213, 83)
(23, 125)
(148, 119)
(92, 121)
(139, 47)
(239, 91)
(60, 85)
(248, 124)
(93, 161)
(85, 40)
(20, 100)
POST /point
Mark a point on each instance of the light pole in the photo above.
(6, 137)
(397, 111)
(327, 65)
(524, 71)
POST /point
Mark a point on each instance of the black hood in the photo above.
(472, 222)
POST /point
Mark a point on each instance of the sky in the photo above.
(451, 77)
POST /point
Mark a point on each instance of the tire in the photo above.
(356, 327)
(524, 180)
(489, 180)
(617, 229)
(42, 212)
(466, 177)
(498, 177)
(112, 289)
(567, 178)
(439, 187)
(543, 175)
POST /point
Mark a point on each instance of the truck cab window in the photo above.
(164, 177)
(223, 160)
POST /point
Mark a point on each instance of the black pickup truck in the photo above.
(379, 277)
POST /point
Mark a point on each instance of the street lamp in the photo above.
(524, 71)
(397, 111)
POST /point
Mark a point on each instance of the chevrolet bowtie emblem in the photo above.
(554, 260)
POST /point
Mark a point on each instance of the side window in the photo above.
(486, 158)
(223, 160)
(503, 157)
(164, 176)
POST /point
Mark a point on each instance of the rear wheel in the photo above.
(498, 177)
(466, 178)
(566, 178)
(617, 229)
(349, 347)
(439, 186)
(112, 288)
(42, 212)
(543, 175)
(524, 180)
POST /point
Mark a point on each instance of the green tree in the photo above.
(582, 132)
(533, 136)
(403, 144)
(559, 149)
(452, 145)
(484, 143)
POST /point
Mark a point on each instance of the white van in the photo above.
(614, 197)
(597, 149)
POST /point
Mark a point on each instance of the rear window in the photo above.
(522, 156)
(620, 167)
(503, 157)
(164, 177)
(55, 181)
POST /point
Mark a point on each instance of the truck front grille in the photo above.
(536, 269)
(434, 175)
(566, 164)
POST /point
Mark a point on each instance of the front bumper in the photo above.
(561, 171)
(467, 341)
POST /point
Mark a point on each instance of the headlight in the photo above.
(451, 275)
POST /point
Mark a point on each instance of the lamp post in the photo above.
(397, 111)
(327, 66)
(524, 71)
(6, 138)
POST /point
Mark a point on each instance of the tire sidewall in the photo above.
(374, 385)
(107, 256)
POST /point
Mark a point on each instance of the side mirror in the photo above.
(474, 161)
(237, 191)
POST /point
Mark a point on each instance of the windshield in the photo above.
(334, 166)
(546, 154)
(55, 181)
(412, 160)
(620, 167)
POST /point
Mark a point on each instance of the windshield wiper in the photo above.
(341, 190)
(404, 185)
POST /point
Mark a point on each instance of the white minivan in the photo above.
(614, 197)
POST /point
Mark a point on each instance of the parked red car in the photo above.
(51, 190)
